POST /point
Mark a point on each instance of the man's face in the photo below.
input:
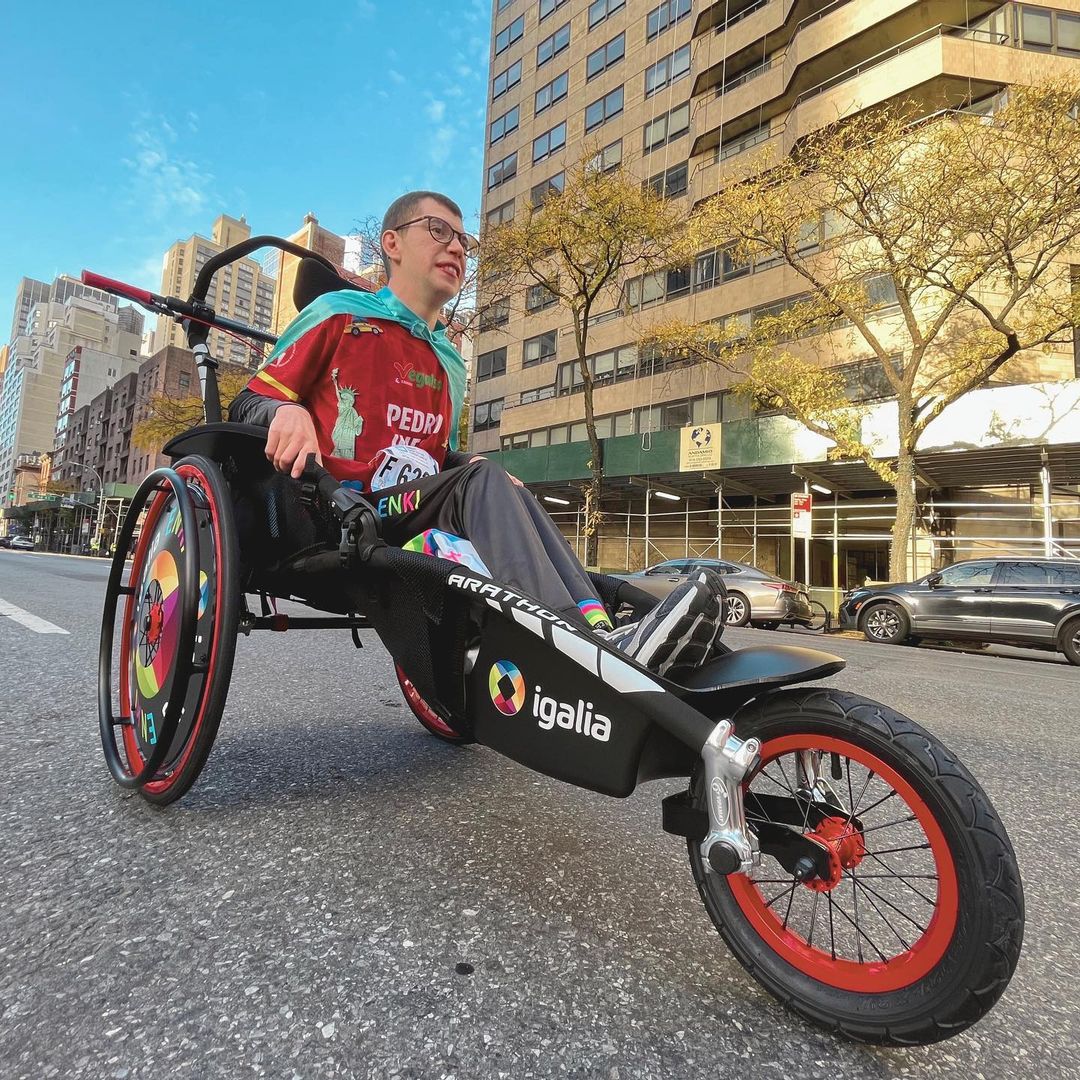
(423, 260)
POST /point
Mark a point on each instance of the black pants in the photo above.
(520, 544)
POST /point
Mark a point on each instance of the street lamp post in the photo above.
(101, 496)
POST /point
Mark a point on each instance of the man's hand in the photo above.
(480, 457)
(291, 438)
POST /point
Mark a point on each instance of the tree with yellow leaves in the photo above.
(578, 246)
(936, 246)
(169, 416)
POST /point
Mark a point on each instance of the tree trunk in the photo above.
(899, 565)
(594, 490)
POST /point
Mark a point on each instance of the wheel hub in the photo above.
(153, 622)
(843, 841)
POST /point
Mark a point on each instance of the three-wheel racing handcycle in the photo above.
(852, 864)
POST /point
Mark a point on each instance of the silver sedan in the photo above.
(753, 596)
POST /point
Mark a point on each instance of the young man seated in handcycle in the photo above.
(371, 385)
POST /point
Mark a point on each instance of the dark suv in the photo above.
(1011, 601)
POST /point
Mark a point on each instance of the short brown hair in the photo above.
(403, 208)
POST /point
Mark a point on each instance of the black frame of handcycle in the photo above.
(657, 728)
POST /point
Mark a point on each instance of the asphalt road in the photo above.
(343, 895)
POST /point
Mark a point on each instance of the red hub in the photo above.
(844, 843)
(155, 620)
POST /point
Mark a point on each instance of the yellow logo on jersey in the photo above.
(358, 327)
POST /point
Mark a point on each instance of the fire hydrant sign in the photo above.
(802, 513)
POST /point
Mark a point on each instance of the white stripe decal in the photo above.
(585, 652)
(532, 623)
(31, 622)
(625, 679)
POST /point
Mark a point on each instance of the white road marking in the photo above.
(30, 621)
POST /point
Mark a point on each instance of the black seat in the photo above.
(313, 279)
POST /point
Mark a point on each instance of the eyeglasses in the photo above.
(443, 232)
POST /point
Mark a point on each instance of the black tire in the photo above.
(433, 719)
(969, 949)
(736, 610)
(885, 624)
(1069, 640)
(214, 644)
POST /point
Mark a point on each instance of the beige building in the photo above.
(679, 92)
(675, 91)
(282, 266)
(239, 291)
(31, 420)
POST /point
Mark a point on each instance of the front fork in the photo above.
(729, 847)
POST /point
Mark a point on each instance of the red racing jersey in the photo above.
(368, 384)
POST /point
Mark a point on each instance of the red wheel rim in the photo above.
(131, 745)
(421, 709)
(913, 955)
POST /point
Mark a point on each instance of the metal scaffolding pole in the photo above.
(648, 496)
(719, 521)
(1048, 509)
(806, 541)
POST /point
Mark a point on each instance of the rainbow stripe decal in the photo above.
(595, 613)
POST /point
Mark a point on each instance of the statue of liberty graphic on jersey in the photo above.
(349, 423)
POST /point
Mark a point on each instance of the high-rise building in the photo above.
(71, 315)
(240, 291)
(678, 91)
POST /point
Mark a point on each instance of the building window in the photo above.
(553, 185)
(545, 145)
(486, 415)
(548, 7)
(667, 14)
(539, 298)
(604, 109)
(601, 59)
(666, 127)
(184, 380)
(503, 125)
(538, 350)
(504, 4)
(551, 46)
(599, 10)
(501, 214)
(554, 91)
(672, 182)
(506, 80)
(605, 367)
(505, 38)
(502, 171)
(496, 314)
(491, 364)
(668, 70)
(609, 158)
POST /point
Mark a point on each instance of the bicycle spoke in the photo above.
(889, 824)
(923, 896)
(832, 934)
(780, 896)
(910, 847)
(855, 804)
(884, 918)
(918, 926)
(874, 806)
(813, 918)
(855, 905)
(860, 932)
(785, 787)
(787, 914)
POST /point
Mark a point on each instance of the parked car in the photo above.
(754, 596)
(22, 543)
(5, 541)
(1008, 601)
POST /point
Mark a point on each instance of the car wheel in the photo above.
(886, 624)
(1070, 641)
(737, 610)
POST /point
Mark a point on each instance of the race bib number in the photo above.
(403, 464)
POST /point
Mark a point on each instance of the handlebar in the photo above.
(118, 288)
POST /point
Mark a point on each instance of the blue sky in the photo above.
(126, 126)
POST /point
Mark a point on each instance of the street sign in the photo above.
(802, 513)
(41, 496)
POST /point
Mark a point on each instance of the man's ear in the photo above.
(391, 245)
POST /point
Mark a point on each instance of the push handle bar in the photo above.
(118, 288)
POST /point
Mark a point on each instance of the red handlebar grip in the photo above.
(96, 281)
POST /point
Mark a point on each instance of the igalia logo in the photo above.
(507, 687)
(578, 717)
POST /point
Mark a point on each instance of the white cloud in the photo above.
(395, 76)
(442, 142)
(435, 110)
(365, 8)
(165, 182)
